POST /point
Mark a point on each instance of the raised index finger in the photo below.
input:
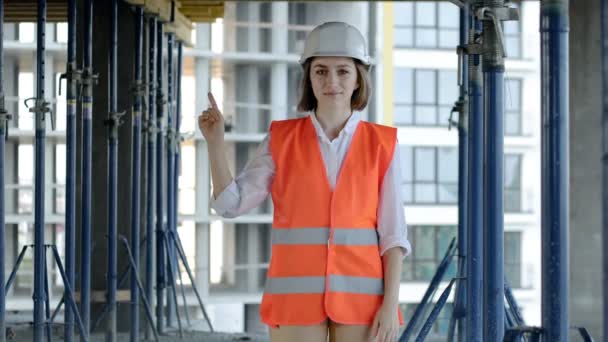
(212, 101)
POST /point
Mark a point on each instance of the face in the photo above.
(333, 79)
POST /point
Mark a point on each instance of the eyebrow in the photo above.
(339, 66)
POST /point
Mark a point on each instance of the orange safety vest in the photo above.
(325, 254)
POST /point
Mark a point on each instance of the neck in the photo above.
(332, 120)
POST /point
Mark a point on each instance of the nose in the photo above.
(332, 78)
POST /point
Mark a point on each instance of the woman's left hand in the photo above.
(386, 324)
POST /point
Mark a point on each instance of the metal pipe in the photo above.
(180, 250)
(139, 284)
(459, 311)
(493, 70)
(70, 181)
(428, 295)
(604, 40)
(113, 118)
(173, 292)
(171, 304)
(554, 28)
(435, 312)
(151, 162)
(84, 335)
(11, 278)
(3, 133)
(39, 162)
(136, 171)
(160, 253)
(87, 141)
(474, 316)
(47, 304)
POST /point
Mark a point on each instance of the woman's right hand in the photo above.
(211, 122)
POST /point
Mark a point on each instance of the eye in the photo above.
(321, 72)
(343, 72)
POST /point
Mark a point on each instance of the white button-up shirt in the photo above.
(253, 184)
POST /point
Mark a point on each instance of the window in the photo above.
(430, 174)
(512, 254)
(512, 34)
(512, 180)
(424, 97)
(431, 244)
(513, 107)
(441, 325)
(426, 25)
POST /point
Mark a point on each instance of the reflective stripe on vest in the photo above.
(337, 283)
(320, 236)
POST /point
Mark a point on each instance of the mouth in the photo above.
(331, 94)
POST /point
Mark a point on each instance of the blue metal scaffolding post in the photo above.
(150, 165)
(160, 253)
(113, 122)
(461, 107)
(4, 117)
(136, 171)
(171, 304)
(88, 79)
(554, 169)
(493, 82)
(474, 315)
(40, 109)
(604, 22)
(72, 76)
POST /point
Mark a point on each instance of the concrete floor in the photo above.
(25, 333)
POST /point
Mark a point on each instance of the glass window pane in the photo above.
(404, 37)
(426, 115)
(448, 193)
(448, 87)
(449, 15)
(403, 115)
(512, 171)
(425, 240)
(403, 85)
(403, 13)
(448, 39)
(513, 47)
(425, 86)
(406, 193)
(406, 163)
(425, 193)
(513, 95)
(426, 37)
(425, 164)
(444, 115)
(510, 27)
(425, 270)
(448, 164)
(512, 123)
(425, 14)
(512, 247)
(445, 234)
(513, 274)
(407, 271)
(512, 200)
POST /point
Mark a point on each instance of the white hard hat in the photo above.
(335, 39)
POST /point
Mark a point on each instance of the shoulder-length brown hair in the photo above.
(358, 101)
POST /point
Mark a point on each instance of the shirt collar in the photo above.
(349, 127)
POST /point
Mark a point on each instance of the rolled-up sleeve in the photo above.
(250, 187)
(392, 228)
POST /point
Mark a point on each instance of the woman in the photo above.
(339, 233)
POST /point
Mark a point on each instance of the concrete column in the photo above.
(99, 221)
(278, 82)
(585, 168)
(202, 79)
